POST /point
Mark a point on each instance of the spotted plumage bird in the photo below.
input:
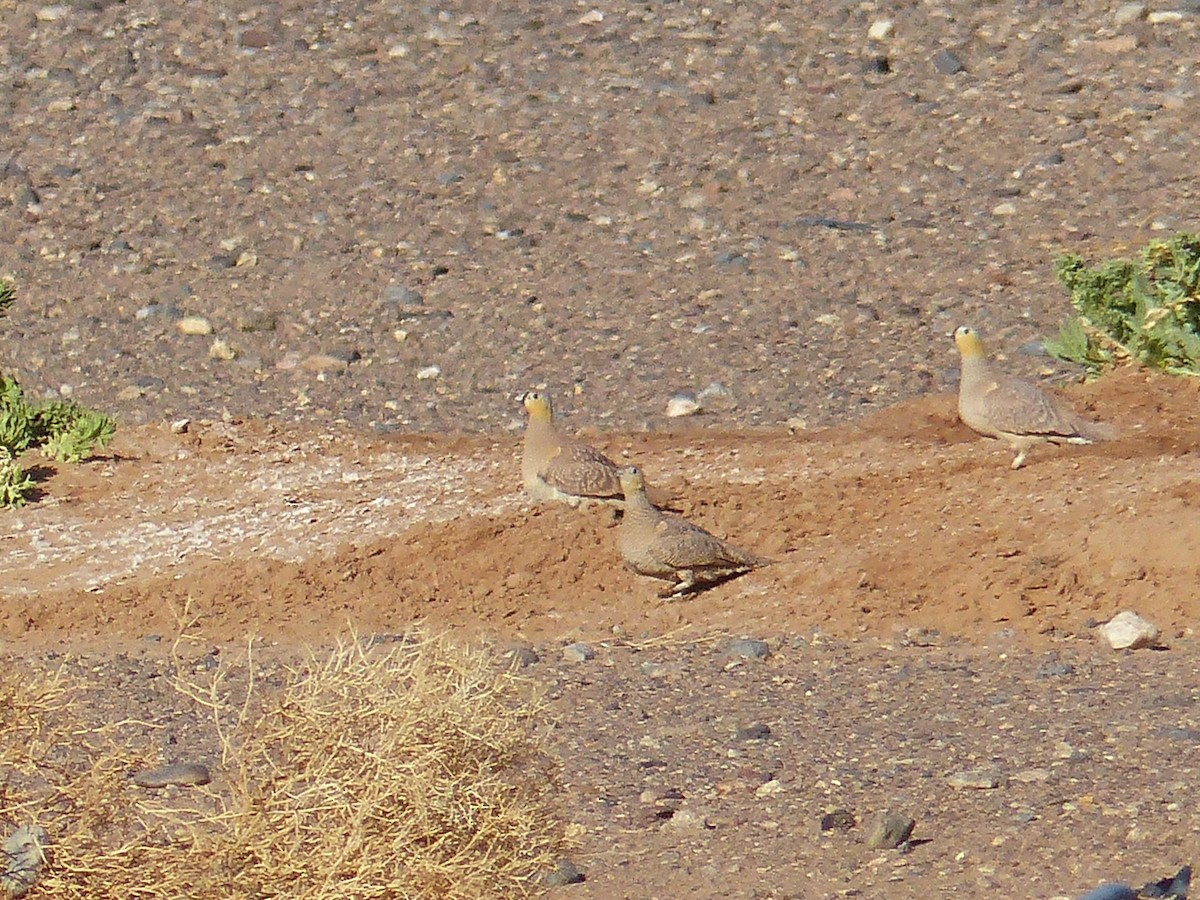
(1013, 410)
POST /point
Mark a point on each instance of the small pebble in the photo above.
(759, 731)
(220, 349)
(175, 773)
(1113, 891)
(880, 30)
(890, 831)
(194, 325)
(1128, 12)
(749, 648)
(566, 872)
(21, 860)
(1129, 631)
(838, 820)
(975, 779)
(683, 405)
(428, 372)
(947, 63)
(578, 652)
(180, 426)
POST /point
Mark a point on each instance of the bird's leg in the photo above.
(687, 581)
(1020, 458)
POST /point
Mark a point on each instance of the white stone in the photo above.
(194, 325)
(1129, 631)
(1128, 12)
(1007, 208)
(682, 405)
(591, 17)
(880, 30)
(220, 349)
(1165, 16)
(428, 372)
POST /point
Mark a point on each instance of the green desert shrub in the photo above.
(1147, 309)
(66, 432)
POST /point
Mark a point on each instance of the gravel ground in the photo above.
(614, 202)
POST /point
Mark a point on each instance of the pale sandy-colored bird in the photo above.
(556, 466)
(667, 546)
(1016, 411)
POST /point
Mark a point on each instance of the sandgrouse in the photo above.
(666, 546)
(556, 466)
(1016, 411)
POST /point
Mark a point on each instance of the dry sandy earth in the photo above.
(617, 205)
(930, 612)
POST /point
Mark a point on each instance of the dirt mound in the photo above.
(905, 520)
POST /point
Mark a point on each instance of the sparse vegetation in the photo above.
(66, 432)
(415, 771)
(1146, 310)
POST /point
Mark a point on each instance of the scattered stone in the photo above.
(220, 349)
(683, 405)
(880, 30)
(401, 296)
(838, 820)
(717, 396)
(578, 652)
(165, 310)
(1031, 776)
(749, 648)
(566, 872)
(194, 325)
(180, 426)
(1163, 17)
(50, 13)
(975, 779)
(256, 38)
(947, 63)
(175, 773)
(1007, 208)
(22, 859)
(759, 731)
(520, 655)
(891, 830)
(319, 363)
(1111, 891)
(1125, 43)
(591, 17)
(1129, 631)
(255, 320)
(771, 788)
(1127, 13)
(1178, 733)
(428, 372)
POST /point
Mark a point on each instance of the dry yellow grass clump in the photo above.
(418, 771)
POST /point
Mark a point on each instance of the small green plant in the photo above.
(8, 293)
(15, 483)
(66, 432)
(1146, 310)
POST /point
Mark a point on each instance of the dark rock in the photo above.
(566, 872)
(947, 63)
(749, 648)
(759, 731)
(838, 820)
(891, 830)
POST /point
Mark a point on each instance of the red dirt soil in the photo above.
(905, 520)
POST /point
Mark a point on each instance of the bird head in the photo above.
(632, 481)
(537, 405)
(970, 345)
